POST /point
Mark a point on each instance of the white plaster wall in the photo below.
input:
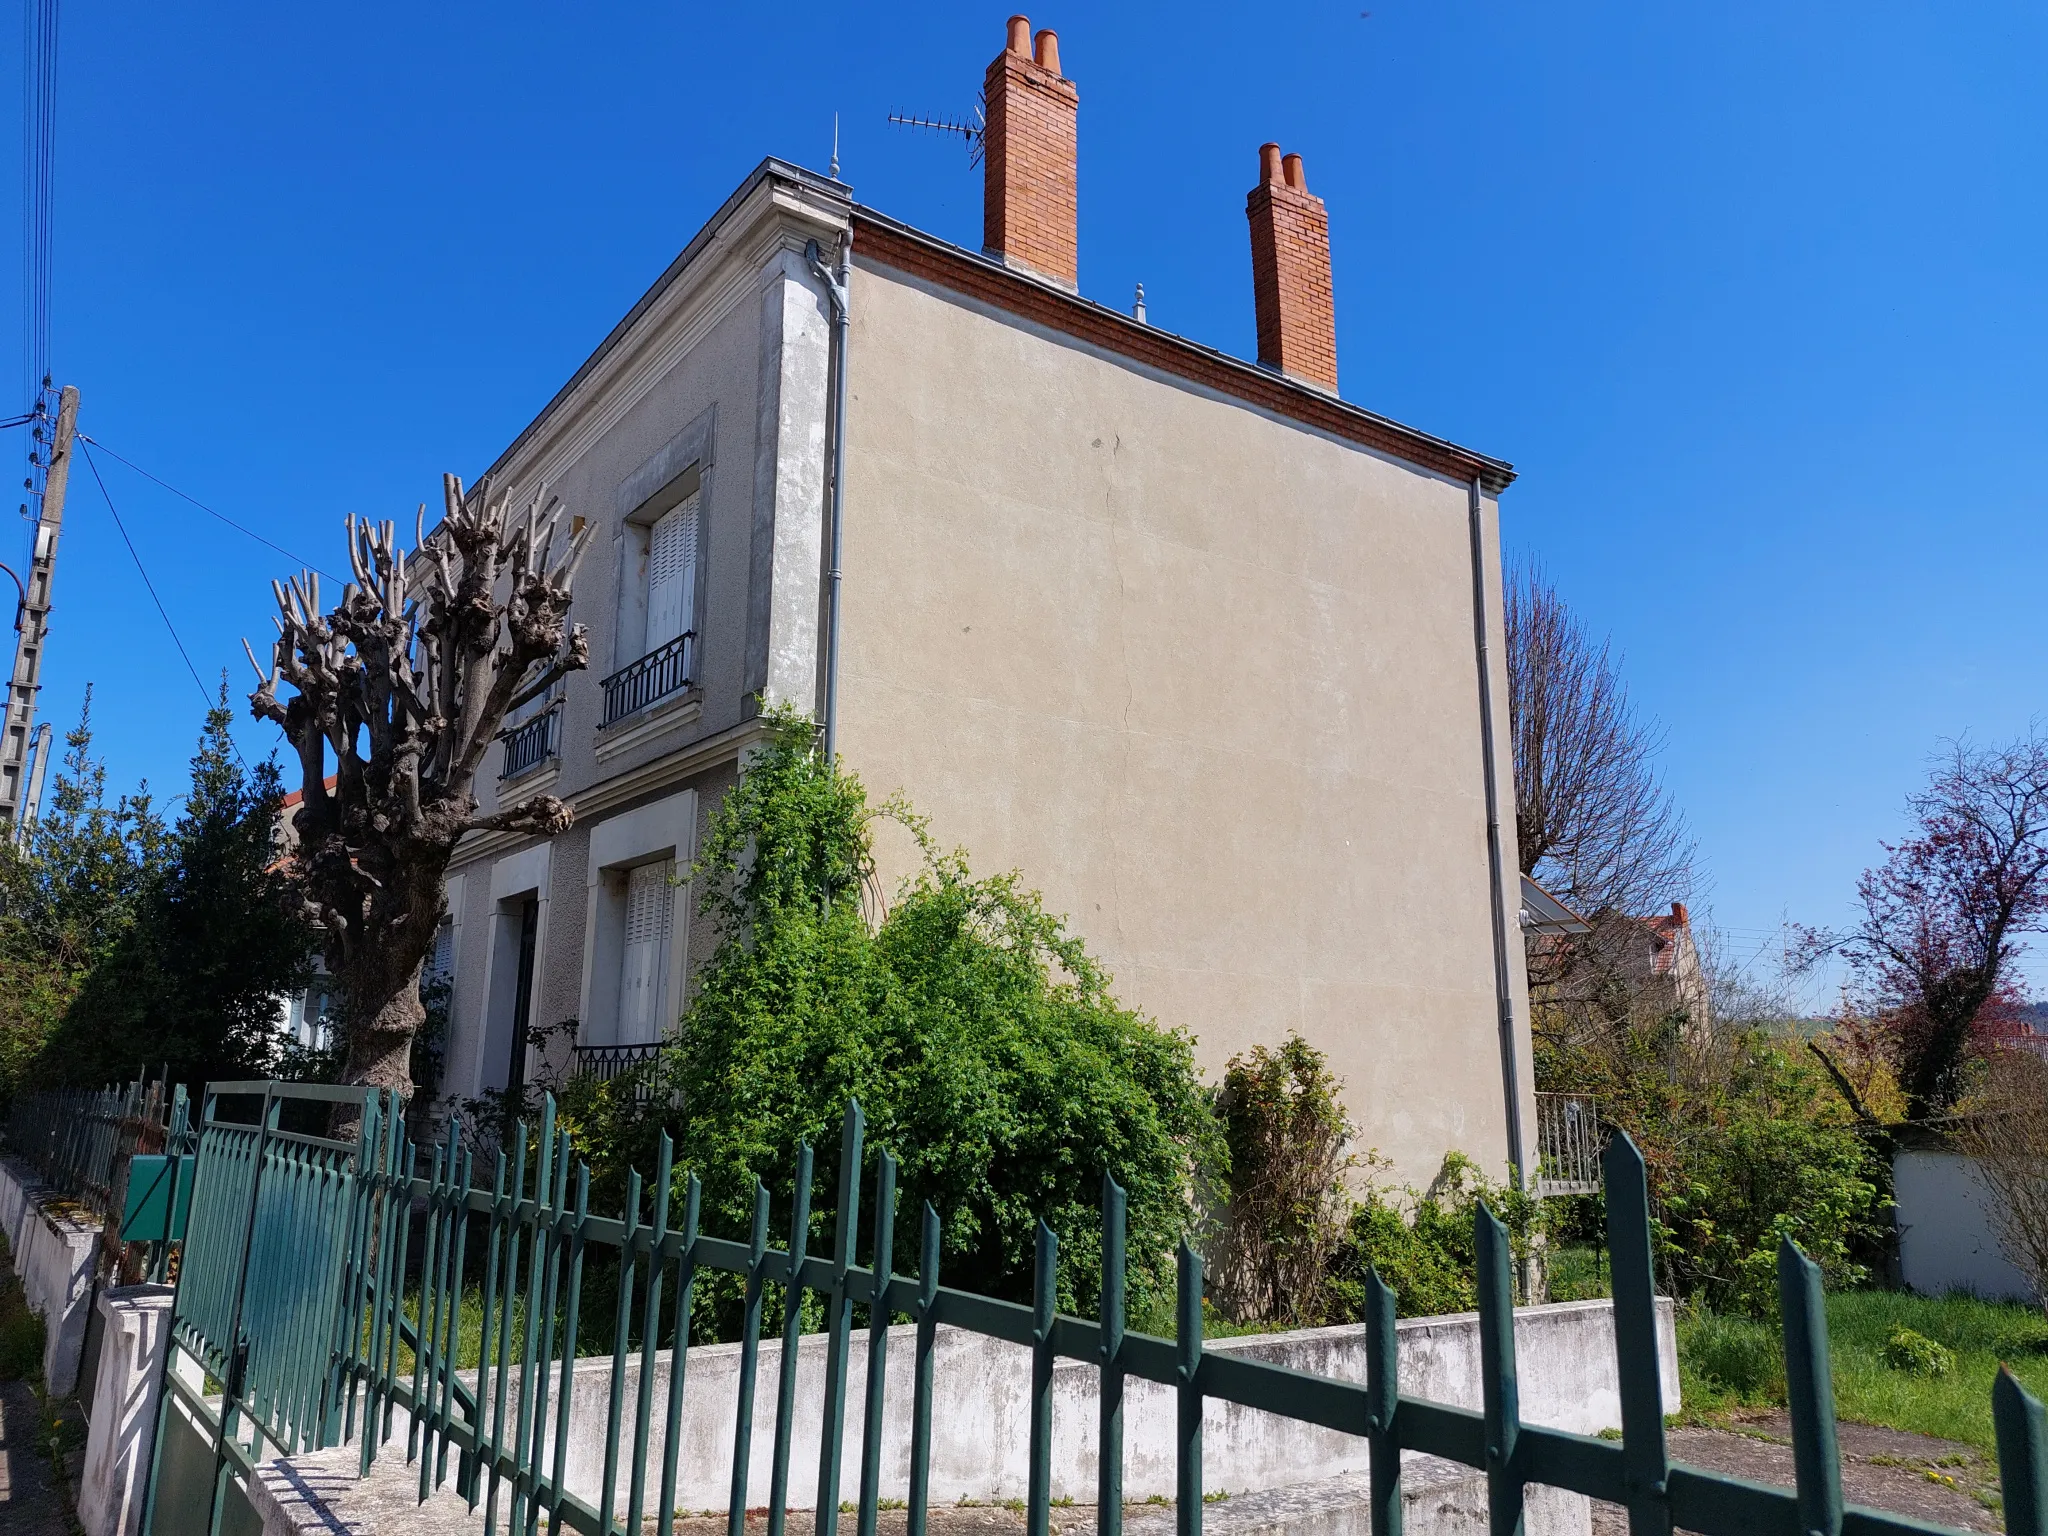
(1946, 1238)
(1207, 678)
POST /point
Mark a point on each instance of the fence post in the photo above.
(1383, 1402)
(1645, 1461)
(1499, 1380)
(1109, 1452)
(750, 1362)
(1810, 1387)
(839, 1318)
(1044, 1302)
(878, 1346)
(792, 1330)
(1188, 1405)
(921, 1400)
(2022, 1455)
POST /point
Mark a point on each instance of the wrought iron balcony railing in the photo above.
(605, 1062)
(1569, 1142)
(530, 743)
(656, 675)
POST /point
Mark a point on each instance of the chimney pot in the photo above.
(1030, 209)
(1290, 229)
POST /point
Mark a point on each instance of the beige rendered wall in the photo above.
(1206, 678)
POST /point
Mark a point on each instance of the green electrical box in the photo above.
(159, 1198)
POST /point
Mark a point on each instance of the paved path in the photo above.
(30, 1503)
(1914, 1475)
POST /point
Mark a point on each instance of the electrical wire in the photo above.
(162, 612)
(202, 506)
(38, 140)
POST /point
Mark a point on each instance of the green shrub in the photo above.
(1917, 1355)
(980, 1037)
(1745, 1142)
(1421, 1241)
(1285, 1130)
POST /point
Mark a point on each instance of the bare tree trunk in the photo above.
(420, 662)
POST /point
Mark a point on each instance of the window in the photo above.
(672, 573)
(643, 976)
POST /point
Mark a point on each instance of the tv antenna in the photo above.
(974, 133)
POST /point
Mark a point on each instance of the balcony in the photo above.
(531, 743)
(654, 676)
(1569, 1141)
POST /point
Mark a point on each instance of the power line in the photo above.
(202, 506)
(38, 143)
(161, 610)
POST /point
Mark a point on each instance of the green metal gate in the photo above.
(274, 1241)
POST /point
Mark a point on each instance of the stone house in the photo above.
(1209, 653)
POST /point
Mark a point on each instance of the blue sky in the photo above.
(1751, 294)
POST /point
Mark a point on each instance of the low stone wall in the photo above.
(52, 1244)
(1564, 1352)
(123, 1427)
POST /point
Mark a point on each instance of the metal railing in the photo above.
(605, 1062)
(531, 742)
(80, 1139)
(509, 1423)
(656, 675)
(1569, 1141)
(81, 1142)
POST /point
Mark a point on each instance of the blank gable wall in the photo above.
(1206, 678)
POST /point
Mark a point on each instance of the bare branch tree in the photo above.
(2009, 1141)
(399, 691)
(1592, 821)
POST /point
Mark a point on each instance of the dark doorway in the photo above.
(522, 999)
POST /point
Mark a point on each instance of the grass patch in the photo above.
(1576, 1272)
(1736, 1362)
(1955, 1405)
(21, 1331)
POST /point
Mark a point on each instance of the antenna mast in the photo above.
(975, 133)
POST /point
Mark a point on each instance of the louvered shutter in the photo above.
(672, 573)
(645, 975)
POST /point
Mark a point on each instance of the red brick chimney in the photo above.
(1291, 272)
(1029, 215)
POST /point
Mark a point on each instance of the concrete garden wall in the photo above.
(980, 1419)
(53, 1256)
(1946, 1238)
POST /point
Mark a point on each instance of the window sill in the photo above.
(657, 719)
(532, 781)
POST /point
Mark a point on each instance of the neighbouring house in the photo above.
(1208, 652)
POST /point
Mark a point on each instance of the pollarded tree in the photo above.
(399, 692)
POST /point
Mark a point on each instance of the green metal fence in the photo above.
(79, 1138)
(337, 1343)
(82, 1142)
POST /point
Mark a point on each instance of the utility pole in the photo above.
(34, 625)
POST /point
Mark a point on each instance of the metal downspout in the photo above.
(838, 286)
(1504, 996)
